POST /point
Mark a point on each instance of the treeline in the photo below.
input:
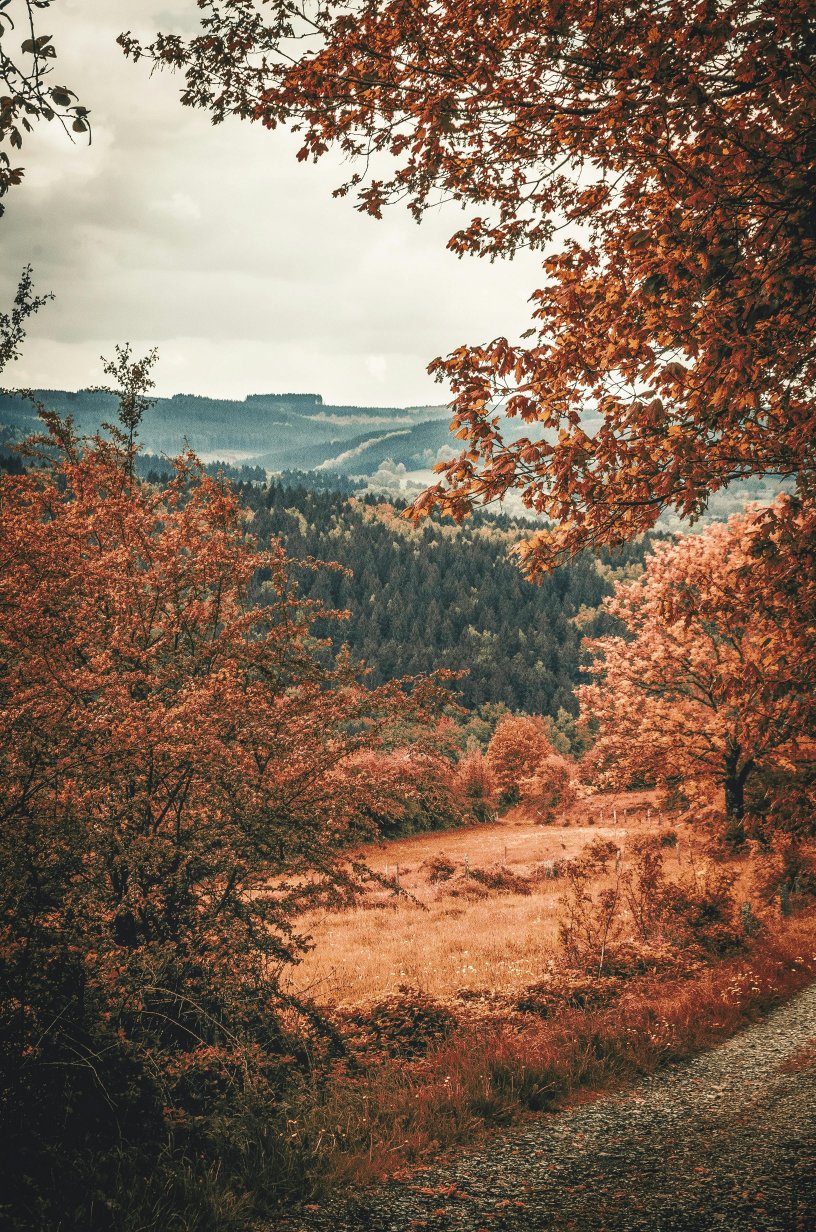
(442, 596)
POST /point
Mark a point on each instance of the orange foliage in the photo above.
(171, 745)
(476, 784)
(713, 684)
(519, 744)
(549, 787)
(412, 788)
(661, 157)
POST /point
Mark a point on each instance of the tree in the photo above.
(519, 745)
(668, 148)
(179, 779)
(550, 787)
(30, 93)
(712, 680)
(476, 785)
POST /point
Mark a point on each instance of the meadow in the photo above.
(463, 1008)
(439, 928)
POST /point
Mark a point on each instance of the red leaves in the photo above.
(713, 684)
(171, 742)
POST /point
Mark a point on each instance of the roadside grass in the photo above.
(442, 983)
(383, 1114)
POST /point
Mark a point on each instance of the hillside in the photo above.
(441, 596)
(276, 431)
(375, 448)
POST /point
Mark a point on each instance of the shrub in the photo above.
(519, 745)
(549, 788)
(627, 916)
(475, 784)
(787, 873)
(405, 1025)
(172, 744)
(439, 868)
(497, 877)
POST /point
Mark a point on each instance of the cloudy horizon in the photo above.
(215, 245)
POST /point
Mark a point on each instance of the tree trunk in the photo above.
(734, 780)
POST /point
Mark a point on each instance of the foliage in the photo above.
(413, 789)
(12, 323)
(476, 785)
(499, 877)
(786, 872)
(179, 777)
(519, 746)
(550, 787)
(624, 915)
(30, 94)
(439, 868)
(405, 1025)
(667, 148)
(714, 677)
(440, 596)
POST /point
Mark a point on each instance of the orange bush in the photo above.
(518, 747)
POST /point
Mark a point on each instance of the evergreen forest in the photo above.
(442, 596)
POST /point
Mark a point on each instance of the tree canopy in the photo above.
(660, 155)
(180, 777)
(711, 686)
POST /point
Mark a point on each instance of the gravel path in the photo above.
(725, 1142)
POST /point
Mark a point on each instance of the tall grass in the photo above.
(371, 1123)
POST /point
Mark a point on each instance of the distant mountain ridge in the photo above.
(299, 432)
(279, 432)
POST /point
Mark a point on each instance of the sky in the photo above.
(215, 245)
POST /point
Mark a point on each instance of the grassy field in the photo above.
(452, 952)
(447, 936)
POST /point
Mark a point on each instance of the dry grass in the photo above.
(499, 942)
(396, 966)
(427, 987)
(456, 935)
(398, 1113)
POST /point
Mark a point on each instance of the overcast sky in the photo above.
(217, 246)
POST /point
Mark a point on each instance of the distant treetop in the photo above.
(301, 399)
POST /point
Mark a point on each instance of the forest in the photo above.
(276, 432)
(337, 833)
(438, 596)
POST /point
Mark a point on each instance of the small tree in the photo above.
(476, 787)
(714, 676)
(179, 778)
(550, 787)
(519, 744)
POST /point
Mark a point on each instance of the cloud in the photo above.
(217, 245)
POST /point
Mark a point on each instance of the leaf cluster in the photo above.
(29, 93)
(660, 155)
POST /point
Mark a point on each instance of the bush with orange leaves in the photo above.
(519, 745)
(475, 784)
(179, 779)
(551, 787)
(624, 915)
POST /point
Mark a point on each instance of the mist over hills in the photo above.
(384, 448)
(278, 432)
